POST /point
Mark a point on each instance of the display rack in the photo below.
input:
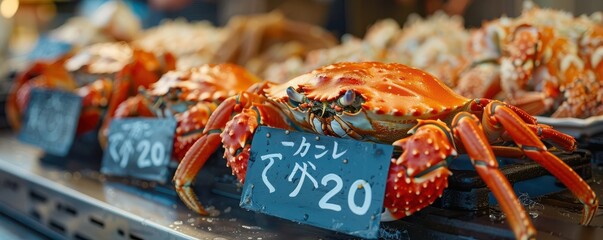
(61, 202)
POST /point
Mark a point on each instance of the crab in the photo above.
(103, 74)
(53, 76)
(128, 68)
(189, 96)
(393, 104)
(546, 62)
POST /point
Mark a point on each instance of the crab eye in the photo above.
(294, 97)
(348, 98)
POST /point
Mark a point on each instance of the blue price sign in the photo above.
(48, 48)
(139, 148)
(51, 120)
(329, 182)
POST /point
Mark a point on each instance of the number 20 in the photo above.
(323, 203)
(157, 154)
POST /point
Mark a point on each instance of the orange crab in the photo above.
(545, 62)
(190, 96)
(394, 104)
(53, 75)
(103, 74)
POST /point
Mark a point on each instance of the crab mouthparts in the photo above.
(321, 110)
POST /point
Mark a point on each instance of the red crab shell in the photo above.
(395, 95)
(205, 83)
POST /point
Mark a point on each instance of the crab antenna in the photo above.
(294, 95)
(348, 98)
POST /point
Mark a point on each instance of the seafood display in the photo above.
(189, 96)
(266, 39)
(394, 104)
(434, 90)
(544, 61)
(104, 74)
(120, 69)
(436, 44)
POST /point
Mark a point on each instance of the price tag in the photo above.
(333, 183)
(48, 48)
(51, 120)
(139, 148)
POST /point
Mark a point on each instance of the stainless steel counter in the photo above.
(82, 204)
(79, 203)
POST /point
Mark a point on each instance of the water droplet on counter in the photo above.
(496, 217)
(177, 222)
(251, 227)
(212, 211)
(227, 210)
(190, 220)
(534, 214)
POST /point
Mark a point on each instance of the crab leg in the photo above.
(198, 154)
(466, 127)
(558, 139)
(502, 118)
(233, 134)
(544, 132)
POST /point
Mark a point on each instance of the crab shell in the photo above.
(394, 97)
(200, 89)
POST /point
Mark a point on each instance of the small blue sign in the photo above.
(51, 120)
(328, 182)
(140, 148)
(48, 48)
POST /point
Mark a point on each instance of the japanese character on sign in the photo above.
(264, 177)
(304, 147)
(304, 174)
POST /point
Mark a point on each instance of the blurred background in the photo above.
(23, 21)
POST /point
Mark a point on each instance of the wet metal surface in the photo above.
(82, 204)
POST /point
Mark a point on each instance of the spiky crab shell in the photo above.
(394, 96)
(205, 83)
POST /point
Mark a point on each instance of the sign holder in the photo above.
(328, 182)
(51, 120)
(140, 148)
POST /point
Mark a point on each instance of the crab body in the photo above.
(188, 96)
(372, 104)
(392, 104)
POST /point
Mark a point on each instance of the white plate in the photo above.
(574, 126)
